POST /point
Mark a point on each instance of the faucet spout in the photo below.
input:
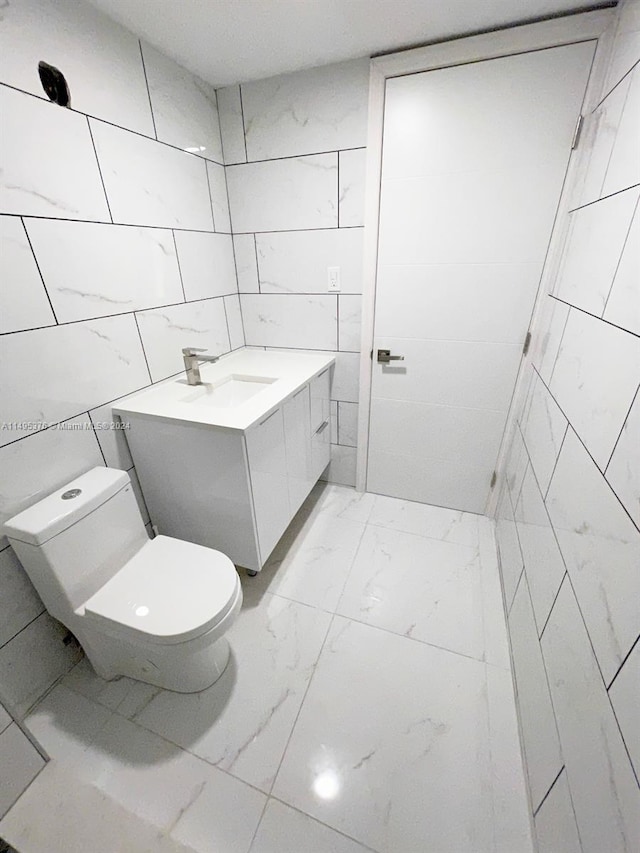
(192, 359)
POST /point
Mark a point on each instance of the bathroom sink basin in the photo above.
(232, 391)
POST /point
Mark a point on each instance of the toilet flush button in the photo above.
(71, 493)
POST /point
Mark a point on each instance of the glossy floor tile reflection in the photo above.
(367, 706)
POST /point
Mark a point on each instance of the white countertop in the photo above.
(175, 400)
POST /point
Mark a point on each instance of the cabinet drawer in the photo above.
(268, 472)
(320, 449)
(319, 387)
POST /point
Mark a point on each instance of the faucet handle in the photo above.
(192, 350)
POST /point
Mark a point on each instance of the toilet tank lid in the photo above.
(55, 513)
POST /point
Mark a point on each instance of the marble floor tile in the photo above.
(223, 818)
(158, 781)
(311, 562)
(242, 723)
(424, 520)
(285, 830)
(65, 723)
(60, 814)
(83, 680)
(340, 501)
(422, 588)
(555, 821)
(416, 776)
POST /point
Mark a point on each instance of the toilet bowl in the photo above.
(155, 610)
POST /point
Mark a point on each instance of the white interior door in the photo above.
(474, 158)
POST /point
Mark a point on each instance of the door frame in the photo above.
(569, 29)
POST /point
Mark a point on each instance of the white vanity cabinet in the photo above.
(267, 459)
(233, 489)
(320, 423)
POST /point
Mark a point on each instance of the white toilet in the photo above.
(153, 609)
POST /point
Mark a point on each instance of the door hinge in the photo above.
(577, 132)
(371, 355)
(527, 342)
(494, 479)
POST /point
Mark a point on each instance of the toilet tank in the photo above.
(75, 540)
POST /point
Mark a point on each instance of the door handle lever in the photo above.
(384, 356)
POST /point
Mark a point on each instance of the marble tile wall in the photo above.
(568, 522)
(116, 251)
(294, 149)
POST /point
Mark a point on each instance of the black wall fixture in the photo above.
(54, 84)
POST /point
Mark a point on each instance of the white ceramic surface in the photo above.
(19, 602)
(165, 331)
(372, 781)
(623, 169)
(623, 470)
(23, 298)
(544, 428)
(20, 762)
(219, 197)
(292, 371)
(297, 261)
(306, 189)
(36, 466)
(594, 380)
(313, 559)
(511, 561)
(625, 697)
(543, 757)
(598, 138)
(344, 382)
(603, 788)
(231, 125)
(150, 184)
(94, 270)
(542, 558)
(393, 569)
(283, 828)
(622, 306)
(351, 167)
(349, 322)
(320, 109)
(234, 321)
(60, 180)
(601, 548)
(597, 234)
(64, 34)
(244, 247)
(347, 414)
(275, 644)
(41, 643)
(555, 822)
(185, 113)
(112, 360)
(342, 467)
(276, 320)
(206, 264)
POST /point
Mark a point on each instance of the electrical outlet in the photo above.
(333, 279)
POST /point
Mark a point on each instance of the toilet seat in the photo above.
(169, 592)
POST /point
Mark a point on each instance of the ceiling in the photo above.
(231, 41)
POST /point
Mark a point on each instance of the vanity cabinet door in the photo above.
(268, 472)
(297, 430)
(320, 429)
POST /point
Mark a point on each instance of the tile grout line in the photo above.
(146, 84)
(95, 154)
(110, 123)
(35, 260)
(304, 696)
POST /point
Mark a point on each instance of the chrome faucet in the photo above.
(192, 363)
